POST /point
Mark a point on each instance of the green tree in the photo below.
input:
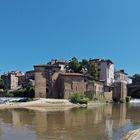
(1, 83)
(136, 79)
(84, 66)
(89, 69)
(93, 71)
(74, 65)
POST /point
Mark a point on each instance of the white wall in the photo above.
(62, 67)
(129, 80)
(120, 77)
(14, 81)
(107, 73)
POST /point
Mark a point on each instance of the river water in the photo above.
(107, 122)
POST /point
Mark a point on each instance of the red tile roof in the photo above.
(101, 60)
(46, 65)
(71, 74)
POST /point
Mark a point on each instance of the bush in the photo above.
(90, 95)
(10, 95)
(122, 100)
(29, 99)
(75, 98)
(95, 99)
(78, 98)
(128, 98)
(25, 92)
(83, 101)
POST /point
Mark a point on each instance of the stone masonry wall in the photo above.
(40, 82)
(70, 85)
(120, 91)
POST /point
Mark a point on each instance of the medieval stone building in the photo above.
(45, 78)
(12, 79)
(53, 82)
(70, 83)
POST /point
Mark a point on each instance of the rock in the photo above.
(132, 135)
(82, 105)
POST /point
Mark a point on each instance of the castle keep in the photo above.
(52, 80)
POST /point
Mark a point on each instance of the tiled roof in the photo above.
(121, 72)
(101, 60)
(46, 65)
(71, 74)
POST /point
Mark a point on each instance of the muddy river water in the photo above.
(107, 122)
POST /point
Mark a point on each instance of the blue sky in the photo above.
(35, 31)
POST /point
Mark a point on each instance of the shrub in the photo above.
(78, 98)
(83, 101)
(25, 92)
(128, 98)
(89, 95)
(10, 95)
(75, 98)
(29, 99)
(95, 99)
(122, 100)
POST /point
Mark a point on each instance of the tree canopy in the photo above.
(73, 65)
(90, 69)
(136, 79)
(1, 83)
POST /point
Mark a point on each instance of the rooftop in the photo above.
(99, 60)
(71, 74)
(121, 71)
(46, 65)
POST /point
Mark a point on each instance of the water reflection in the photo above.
(100, 123)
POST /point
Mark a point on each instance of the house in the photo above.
(129, 80)
(98, 89)
(30, 74)
(29, 78)
(60, 63)
(95, 88)
(120, 85)
(52, 82)
(11, 79)
(70, 83)
(106, 71)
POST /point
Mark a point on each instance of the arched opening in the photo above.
(47, 92)
(136, 94)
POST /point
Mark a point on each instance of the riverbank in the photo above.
(38, 103)
(49, 103)
(132, 135)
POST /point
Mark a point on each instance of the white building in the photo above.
(129, 80)
(11, 79)
(60, 63)
(14, 81)
(121, 76)
(106, 71)
(120, 85)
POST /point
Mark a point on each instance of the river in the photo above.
(107, 122)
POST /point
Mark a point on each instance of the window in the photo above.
(95, 88)
(108, 74)
(76, 88)
(72, 86)
(47, 90)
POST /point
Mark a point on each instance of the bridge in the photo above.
(134, 90)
